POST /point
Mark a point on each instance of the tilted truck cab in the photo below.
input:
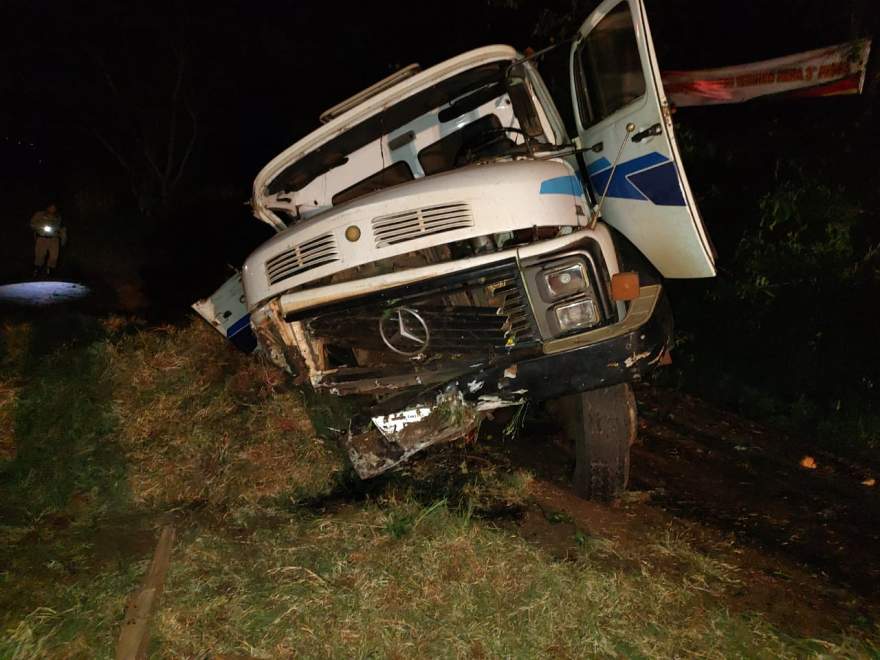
(445, 248)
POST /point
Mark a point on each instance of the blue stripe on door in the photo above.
(598, 166)
(659, 184)
(651, 177)
(241, 335)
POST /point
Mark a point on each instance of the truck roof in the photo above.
(386, 83)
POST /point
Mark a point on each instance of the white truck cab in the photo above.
(445, 248)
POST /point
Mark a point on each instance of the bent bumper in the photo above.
(621, 353)
(614, 354)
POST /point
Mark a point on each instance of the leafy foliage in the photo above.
(785, 331)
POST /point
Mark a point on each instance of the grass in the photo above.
(206, 424)
(279, 552)
(355, 583)
(61, 422)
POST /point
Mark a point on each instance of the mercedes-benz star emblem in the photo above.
(404, 331)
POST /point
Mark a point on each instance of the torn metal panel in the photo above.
(226, 311)
(396, 422)
(505, 400)
(396, 437)
(277, 340)
(616, 358)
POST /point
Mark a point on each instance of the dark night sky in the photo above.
(264, 71)
(258, 75)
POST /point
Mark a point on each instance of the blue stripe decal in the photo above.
(562, 185)
(651, 177)
(659, 184)
(238, 326)
(598, 166)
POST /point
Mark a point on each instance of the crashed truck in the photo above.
(445, 249)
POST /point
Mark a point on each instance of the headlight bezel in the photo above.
(544, 304)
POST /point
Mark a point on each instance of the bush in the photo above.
(782, 332)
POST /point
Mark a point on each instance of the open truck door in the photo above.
(625, 128)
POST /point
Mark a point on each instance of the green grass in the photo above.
(62, 422)
(358, 583)
(280, 552)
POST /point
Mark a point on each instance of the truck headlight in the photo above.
(575, 315)
(565, 293)
(566, 281)
(563, 280)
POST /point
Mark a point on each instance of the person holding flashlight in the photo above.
(50, 235)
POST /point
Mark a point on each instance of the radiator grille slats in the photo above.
(310, 254)
(513, 308)
(410, 225)
(479, 316)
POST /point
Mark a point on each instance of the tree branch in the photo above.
(189, 147)
(113, 151)
(172, 123)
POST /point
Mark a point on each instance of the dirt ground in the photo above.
(803, 540)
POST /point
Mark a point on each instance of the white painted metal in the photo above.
(302, 257)
(501, 197)
(672, 237)
(418, 223)
(317, 196)
(386, 83)
(473, 201)
(298, 301)
(225, 307)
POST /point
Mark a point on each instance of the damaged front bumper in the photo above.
(393, 438)
(619, 353)
(481, 346)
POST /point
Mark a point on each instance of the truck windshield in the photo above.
(454, 97)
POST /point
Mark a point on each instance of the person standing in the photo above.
(50, 235)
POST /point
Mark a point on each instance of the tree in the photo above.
(151, 129)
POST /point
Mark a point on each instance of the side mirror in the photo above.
(520, 97)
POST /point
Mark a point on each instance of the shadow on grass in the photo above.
(63, 422)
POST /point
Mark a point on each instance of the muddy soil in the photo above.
(804, 541)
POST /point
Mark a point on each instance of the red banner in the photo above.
(827, 71)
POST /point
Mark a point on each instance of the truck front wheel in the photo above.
(602, 424)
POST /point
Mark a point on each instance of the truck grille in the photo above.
(513, 307)
(301, 258)
(410, 225)
(477, 314)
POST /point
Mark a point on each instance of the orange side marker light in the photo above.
(625, 286)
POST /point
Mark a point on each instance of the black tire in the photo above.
(602, 424)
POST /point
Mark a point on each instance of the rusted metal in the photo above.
(278, 342)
